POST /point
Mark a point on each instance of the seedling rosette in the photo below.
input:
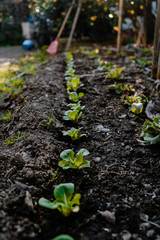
(120, 87)
(74, 97)
(76, 106)
(69, 161)
(74, 84)
(72, 115)
(151, 131)
(115, 73)
(65, 202)
(73, 133)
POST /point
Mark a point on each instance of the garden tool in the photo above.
(52, 49)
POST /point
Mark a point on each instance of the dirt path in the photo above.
(10, 54)
(123, 178)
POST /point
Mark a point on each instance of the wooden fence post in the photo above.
(156, 43)
(119, 36)
(74, 25)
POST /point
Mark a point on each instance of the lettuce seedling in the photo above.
(74, 97)
(63, 237)
(65, 202)
(73, 133)
(72, 115)
(151, 131)
(74, 84)
(142, 62)
(76, 106)
(103, 65)
(135, 102)
(69, 161)
(115, 73)
(121, 87)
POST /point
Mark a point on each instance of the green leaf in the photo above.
(137, 108)
(76, 199)
(148, 138)
(65, 165)
(85, 164)
(47, 204)
(63, 237)
(81, 94)
(73, 115)
(79, 159)
(84, 152)
(63, 192)
(67, 155)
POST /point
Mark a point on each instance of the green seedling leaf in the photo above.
(63, 194)
(151, 131)
(76, 106)
(63, 237)
(43, 202)
(67, 155)
(137, 108)
(69, 161)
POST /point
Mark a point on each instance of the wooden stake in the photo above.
(156, 43)
(74, 25)
(65, 19)
(158, 67)
(119, 37)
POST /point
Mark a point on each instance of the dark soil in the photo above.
(123, 177)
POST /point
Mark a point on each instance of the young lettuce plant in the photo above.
(115, 73)
(119, 88)
(72, 115)
(74, 84)
(69, 161)
(151, 131)
(74, 97)
(135, 102)
(65, 202)
(73, 133)
(76, 106)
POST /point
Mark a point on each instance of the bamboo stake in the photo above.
(119, 37)
(156, 41)
(74, 25)
(65, 19)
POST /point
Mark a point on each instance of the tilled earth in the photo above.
(124, 174)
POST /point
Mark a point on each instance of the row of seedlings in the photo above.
(136, 102)
(64, 201)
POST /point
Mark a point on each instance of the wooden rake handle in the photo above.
(65, 20)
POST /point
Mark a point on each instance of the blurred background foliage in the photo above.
(97, 19)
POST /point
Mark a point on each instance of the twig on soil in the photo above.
(121, 174)
(92, 74)
(154, 167)
(10, 172)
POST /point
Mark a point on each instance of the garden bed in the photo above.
(124, 174)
